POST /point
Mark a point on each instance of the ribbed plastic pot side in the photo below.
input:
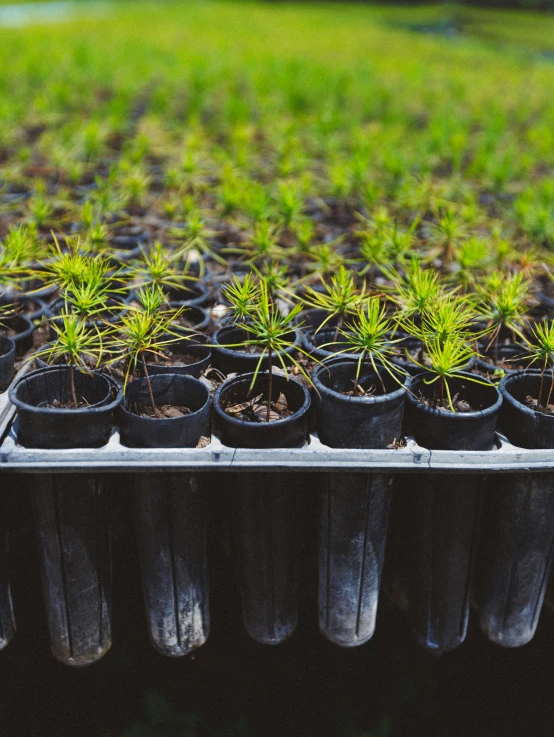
(354, 507)
(170, 516)
(517, 550)
(138, 431)
(7, 362)
(72, 510)
(266, 520)
(444, 513)
(57, 428)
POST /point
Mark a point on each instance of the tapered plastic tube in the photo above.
(266, 531)
(353, 521)
(170, 522)
(74, 531)
(518, 550)
(444, 514)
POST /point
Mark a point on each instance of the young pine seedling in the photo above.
(76, 344)
(272, 333)
(143, 331)
(539, 349)
(369, 336)
(340, 298)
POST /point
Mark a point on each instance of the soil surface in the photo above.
(533, 403)
(163, 411)
(255, 410)
(459, 403)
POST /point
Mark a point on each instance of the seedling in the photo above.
(340, 298)
(539, 349)
(77, 345)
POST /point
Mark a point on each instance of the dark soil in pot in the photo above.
(19, 329)
(231, 360)
(182, 417)
(7, 362)
(522, 420)
(245, 430)
(344, 420)
(189, 356)
(46, 417)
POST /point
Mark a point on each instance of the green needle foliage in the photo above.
(370, 336)
(503, 304)
(142, 331)
(539, 349)
(76, 344)
(341, 297)
(273, 333)
(447, 359)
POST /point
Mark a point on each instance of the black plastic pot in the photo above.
(74, 533)
(195, 347)
(197, 316)
(170, 523)
(444, 513)
(23, 332)
(518, 544)
(507, 354)
(235, 361)
(354, 507)
(266, 517)
(43, 427)
(175, 432)
(356, 422)
(312, 343)
(290, 432)
(191, 292)
(34, 307)
(7, 362)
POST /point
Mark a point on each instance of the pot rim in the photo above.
(241, 423)
(20, 404)
(459, 415)
(12, 346)
(513, 376)
(156, 377)
(362, 401)
(216, 345)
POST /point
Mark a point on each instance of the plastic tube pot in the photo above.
(191, 292)
(74, 533)
(176, 432)
(518, 543)
(21, 329)
(444, 511)
(354, 507)
(323, 345)
(231, 360)
(198, 318)
(72, 513)
(509, 361)
(266, 510)
(170, 517)
(42, 426)
(7, 362)
(196, 356)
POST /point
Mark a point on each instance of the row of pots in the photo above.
(444, 514)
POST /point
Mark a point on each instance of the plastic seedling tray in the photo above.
(351, 545)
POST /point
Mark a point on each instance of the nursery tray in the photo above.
(214, 457)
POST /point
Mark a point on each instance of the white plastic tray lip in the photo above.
(216, 457)
(314, 456)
